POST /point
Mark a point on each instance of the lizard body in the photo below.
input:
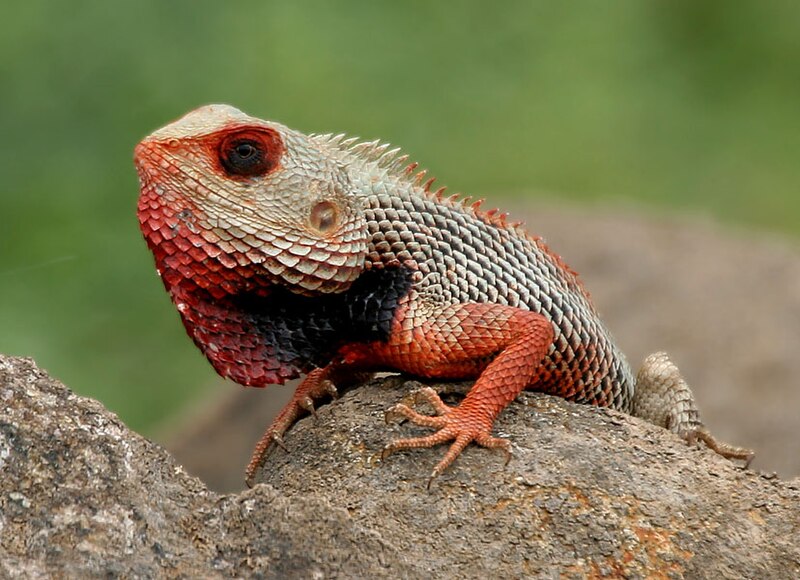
(288, 253)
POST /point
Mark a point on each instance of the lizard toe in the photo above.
(268, 441)
(724, 449)
(458, 425)
(402, 412)
(307, 404)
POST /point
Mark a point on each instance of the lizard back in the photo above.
(460, 253)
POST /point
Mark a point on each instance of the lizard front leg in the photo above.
(318, 384)
(500, 345)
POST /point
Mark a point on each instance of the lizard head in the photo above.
(255, 230)
(234, 202)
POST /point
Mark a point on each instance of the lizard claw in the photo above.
(277, 438)
(329, 388)
(307, 403)
(392, 415)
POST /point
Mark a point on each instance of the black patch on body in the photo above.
(307, 332)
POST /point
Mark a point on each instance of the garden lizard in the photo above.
(288, 253)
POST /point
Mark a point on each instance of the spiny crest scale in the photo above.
(396, 165)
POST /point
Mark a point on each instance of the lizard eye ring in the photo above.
(247, 154)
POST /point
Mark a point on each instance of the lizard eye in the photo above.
(244, 151)
(245, 154)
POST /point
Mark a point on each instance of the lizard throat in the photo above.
(270, 335)
(252, 328)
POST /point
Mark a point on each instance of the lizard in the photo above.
(289, 254)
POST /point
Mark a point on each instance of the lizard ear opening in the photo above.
(324, 216)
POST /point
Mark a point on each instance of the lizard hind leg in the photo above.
(663, 398)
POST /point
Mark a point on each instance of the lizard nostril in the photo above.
(324, 216)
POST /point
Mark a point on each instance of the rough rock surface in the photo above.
(589, 492)
(83, 496)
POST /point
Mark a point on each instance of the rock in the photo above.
(83, 496)
(588, 492)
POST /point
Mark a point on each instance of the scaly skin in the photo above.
(288, 253)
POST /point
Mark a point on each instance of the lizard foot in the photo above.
(722, 448)
(313, 387)
(458, 424)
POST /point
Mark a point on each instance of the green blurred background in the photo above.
(679, 106)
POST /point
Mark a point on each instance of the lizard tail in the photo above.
(664, 398)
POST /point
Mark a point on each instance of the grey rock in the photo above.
(83, 496)
(589, 492)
